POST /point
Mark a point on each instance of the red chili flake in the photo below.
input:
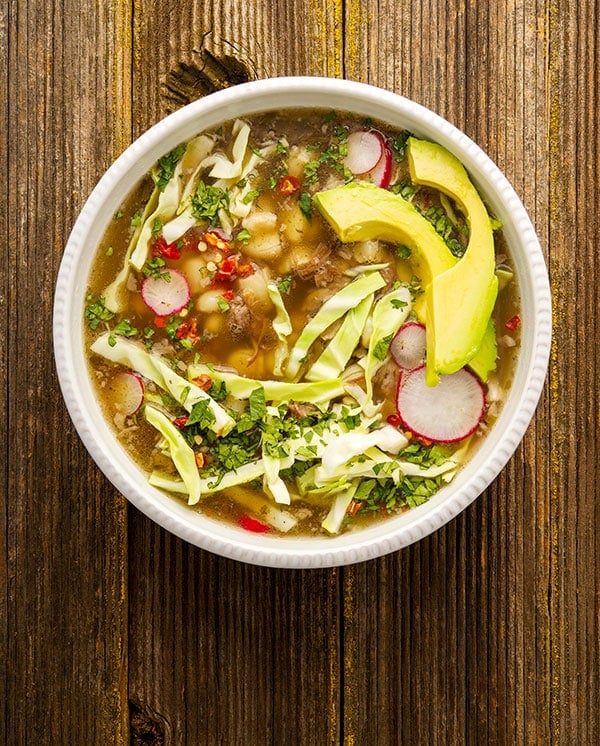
(513, 323)
(228, 295)
(394, 420)
(160, 322)
(181, 422)
(245, 270)
(354, 507)
(228, 266)
(182, 330)
(166, 250)
(203, 381)
(188, 330)
(226, 271)
(251, 524)
(217, 241)
(288, 184)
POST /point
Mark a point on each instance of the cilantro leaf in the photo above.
(167, 166)
(257, 405)
(381, 348)
(207, 201)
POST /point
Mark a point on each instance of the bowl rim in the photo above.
(228, 541)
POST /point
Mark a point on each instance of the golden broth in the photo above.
(230, 319)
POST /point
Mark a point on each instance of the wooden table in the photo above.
(111, 630)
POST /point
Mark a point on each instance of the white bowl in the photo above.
(229, 541)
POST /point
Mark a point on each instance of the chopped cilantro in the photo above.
(207, 201)
(257, 405)
(399, 145)
(167, 166)
(223, 304)
(284, 284)
(381, 348)
(218, 390)
(201, 415)
(154, 268)
(250, 196)
(122, 329)
(305, 204)
(444, 226)
(406, 189)
(97, 312)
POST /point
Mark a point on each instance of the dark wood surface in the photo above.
(113, 631)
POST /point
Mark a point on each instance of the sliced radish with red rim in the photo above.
(365, 149)
(409, 345)
(166, 294)
(127, 390)
(382, 173)
(446, 413)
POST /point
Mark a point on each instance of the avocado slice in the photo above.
(483, 361)
(460, 300)
(460, 294)
(360, 211)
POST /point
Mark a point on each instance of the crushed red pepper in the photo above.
(513, 323)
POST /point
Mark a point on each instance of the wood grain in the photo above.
(112, 630)
(65, 534)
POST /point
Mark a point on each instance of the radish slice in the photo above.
(444, 413)
(127, 390)
(409, 345)
(382, 173)
(166, 294)
(365, 149)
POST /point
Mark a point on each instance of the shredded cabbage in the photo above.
(333, 520)
(282, 326)
(132, 355)
(315, 392)
(351, 444)
(336, 355)
(115, 298)
(333, 309)
(182, 455)
(389, 314)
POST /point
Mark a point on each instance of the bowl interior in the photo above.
(244, 100)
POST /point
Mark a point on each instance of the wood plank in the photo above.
(474, 661)
(66, 529)
(575, 403)
(221, 652)
(4, 325)
(487, 631)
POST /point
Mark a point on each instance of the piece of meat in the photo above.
(239, 317)
(385, 380)
(300, 410)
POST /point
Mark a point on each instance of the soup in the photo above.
(302, 322)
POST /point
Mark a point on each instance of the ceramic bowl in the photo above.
(230, 541)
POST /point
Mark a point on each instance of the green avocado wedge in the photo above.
(460, 300)
(360, 211)
(459, 294)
